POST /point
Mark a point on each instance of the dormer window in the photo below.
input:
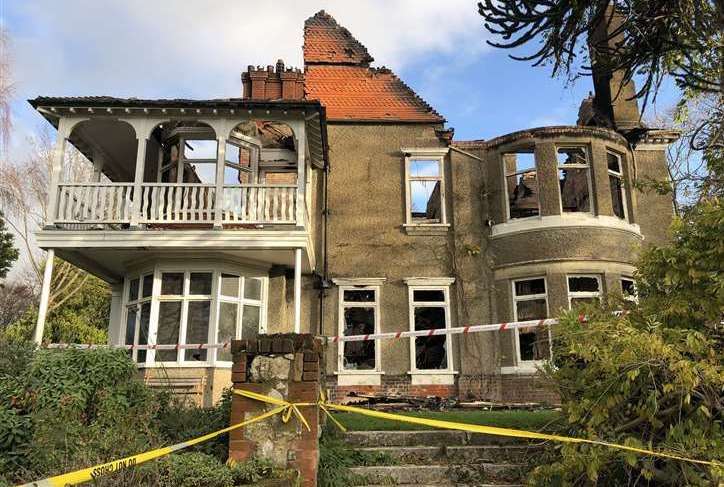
(574, 178)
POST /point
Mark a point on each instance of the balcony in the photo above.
(137, 180)
(162, 204)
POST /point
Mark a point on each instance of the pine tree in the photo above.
(8, 253)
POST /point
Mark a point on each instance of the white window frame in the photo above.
(431, 284)
(618, 175)
(431, 154)
(583, 294)
(137, 305)
(342, 306)
(588, 166)
(506, 201)
(216, 270)
(520, 363)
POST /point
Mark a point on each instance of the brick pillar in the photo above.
(285, 366)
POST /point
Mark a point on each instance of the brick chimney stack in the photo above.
(612, 101)
(273, 83)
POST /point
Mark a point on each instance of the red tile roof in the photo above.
(337, 73)
(325, 41)
(357, 93)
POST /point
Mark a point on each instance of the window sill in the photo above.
(529, 368)
(426, 228)
(433, 377)
(359, 378)
(570, 220)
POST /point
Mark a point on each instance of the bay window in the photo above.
(615, 179)
(173, 306)
(583, 289)
(574, 179)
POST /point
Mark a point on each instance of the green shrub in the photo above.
(193, 469)
(254, 471)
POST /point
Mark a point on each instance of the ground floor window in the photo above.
(171, 306)
(530, 302)
(358, 315)
(628, 289)
(583, 289)
(430, 310)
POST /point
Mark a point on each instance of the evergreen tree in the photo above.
(8, 253)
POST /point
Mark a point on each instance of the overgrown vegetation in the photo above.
(70, 409)
(8, 252)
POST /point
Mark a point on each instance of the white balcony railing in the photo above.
(184, 203)
(259, 203)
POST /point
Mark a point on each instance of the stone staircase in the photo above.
(442, 458)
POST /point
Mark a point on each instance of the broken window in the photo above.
(425, 192)
(530, 302)
(521, 184)
(583, 290)
(200, 161)
(615, 179)
(628, 289)
(574, 179)
(359, 311)
(429, 310)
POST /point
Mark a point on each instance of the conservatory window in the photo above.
(193, 307)
(574, 179)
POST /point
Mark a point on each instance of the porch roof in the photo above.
(53, 107)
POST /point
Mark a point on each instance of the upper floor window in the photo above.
(430, 310)
(521, 184)
(615, 179)
(425, 187)
(358, 315)
(530, 302)
(574, 179)
(583, 289)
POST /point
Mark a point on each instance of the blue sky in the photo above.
(197, 49)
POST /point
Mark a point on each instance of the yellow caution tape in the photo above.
(472, 428)
(91, 473)
(287, 409)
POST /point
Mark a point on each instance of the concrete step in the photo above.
(427, 437)
(426, 455)
(470, 474)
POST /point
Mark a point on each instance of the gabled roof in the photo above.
(337, 73)
(357, 93)
(325, 41)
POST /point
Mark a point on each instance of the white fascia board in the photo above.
(173, 239)
(537, 223)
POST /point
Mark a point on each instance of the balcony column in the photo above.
(301, 167)
(138, 180)
(98, 163)
(44, 297)
(220, 163)
(65, 125)
(297, 290)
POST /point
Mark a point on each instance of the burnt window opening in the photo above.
(615, 179)
(574, 179)
(583, 290)
(430, 312)
(358, 317)
(628, 289)
(521, 183)
(425, 191)
(531, 303)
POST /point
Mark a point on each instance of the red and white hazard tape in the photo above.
(461, 330)
(464, 330)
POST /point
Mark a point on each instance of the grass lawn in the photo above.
(518, 419)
